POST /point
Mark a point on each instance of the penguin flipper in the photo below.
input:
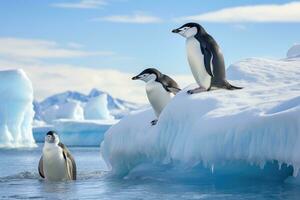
(41, 171)
(173, 90)
(71, 165)
(169, 84)
(207, 54)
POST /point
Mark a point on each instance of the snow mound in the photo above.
(96, 108)
(294, 51)
(257, 125)
(16, 110)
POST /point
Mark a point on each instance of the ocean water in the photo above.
(19, 179)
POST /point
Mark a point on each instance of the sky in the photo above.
(84, 44)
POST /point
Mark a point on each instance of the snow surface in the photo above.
(96, 108)
(257, 125)
(16, 110)
(294, 51)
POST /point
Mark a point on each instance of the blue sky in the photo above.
(129, 35)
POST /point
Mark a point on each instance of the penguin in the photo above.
(56, 163)
(160, 88)
(205, 58)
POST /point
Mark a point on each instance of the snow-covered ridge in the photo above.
(16, 109)
(255, 125)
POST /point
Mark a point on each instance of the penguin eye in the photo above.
(184, 28)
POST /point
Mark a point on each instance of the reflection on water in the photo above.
(19, 179)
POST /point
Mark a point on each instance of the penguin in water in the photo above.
(205, 58)
(56, 163)
(159, 88)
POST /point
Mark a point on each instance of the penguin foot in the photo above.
(197, 90)
(154, 122)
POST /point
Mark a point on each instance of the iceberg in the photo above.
(54, 107)
(16, 110)
(80, 120)
(248, 131)
(75, 132)
(69, 110)
(96, 108)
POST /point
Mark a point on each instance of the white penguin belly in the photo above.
(54, 164)
(157, 96)
(196, 62)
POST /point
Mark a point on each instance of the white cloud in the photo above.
(137, 18)
(38, 49)
(49, 79)
(83, 4)
(289, 12)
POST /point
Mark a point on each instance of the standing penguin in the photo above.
(56, 163)
(205, 58)
(159, 89)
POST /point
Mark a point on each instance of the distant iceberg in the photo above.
(79, 119)
(257, 127)
(74, 105)
(69, 110)
(16, 110)
(97, 108)
(75, 132)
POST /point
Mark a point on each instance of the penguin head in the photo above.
(189, 29)
(147, 75)
(52, 137)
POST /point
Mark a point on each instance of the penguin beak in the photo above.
(135, 78)
(175, 31)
